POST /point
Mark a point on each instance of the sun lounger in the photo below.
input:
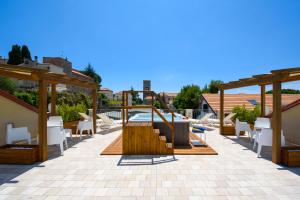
(227, 120)
(202, 120)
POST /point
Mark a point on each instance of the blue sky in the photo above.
(171, 42)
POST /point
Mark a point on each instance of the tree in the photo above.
(7, 84)
(205, 89)
(25, 53)
(15, 55)
(285, 91)
(136, 100)
(90, 71)
(214, 86)
(188, 97)
(103, 100)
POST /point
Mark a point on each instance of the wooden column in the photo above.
(53, 99)
(276, 122)
(42, 124)
(221, 111)
(94, 110)
(263, 100)
(123, 111)
(126, 104)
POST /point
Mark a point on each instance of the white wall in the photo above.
(291, 124)
(11, 112)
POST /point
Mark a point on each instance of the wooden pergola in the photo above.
(45, 78)
(274, 78)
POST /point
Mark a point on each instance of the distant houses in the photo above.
(56, 65)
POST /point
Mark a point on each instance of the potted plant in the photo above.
(70, 115)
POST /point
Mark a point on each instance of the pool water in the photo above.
(147, 117)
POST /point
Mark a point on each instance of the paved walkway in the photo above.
(236, 173)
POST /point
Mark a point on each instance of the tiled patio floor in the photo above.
(236, 173)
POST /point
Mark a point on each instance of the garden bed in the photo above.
(19, 154)
(291, 156)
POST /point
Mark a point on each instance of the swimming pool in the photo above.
(147, 117)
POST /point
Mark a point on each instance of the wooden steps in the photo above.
(140, 138)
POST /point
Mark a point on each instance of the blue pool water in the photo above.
(147, 117)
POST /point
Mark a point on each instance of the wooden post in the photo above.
(42, 124)
(276, 123)
(152, 112)
(263, 100)
(221, 111)
(123, 111)
(94, 110)
(126, 103)
(53, 99)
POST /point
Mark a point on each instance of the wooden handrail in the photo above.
(163, 118)
(126, 107)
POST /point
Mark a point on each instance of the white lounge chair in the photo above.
(242, 126)
(85, 126)
(55, 136)
(85, 116)
(227, 119)
(108, 122)
(264, 138)
(17, 134)
(202, 120)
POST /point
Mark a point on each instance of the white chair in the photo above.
(85, 126)
(55, 136)
(17, 134)
(57, 120)
(259, 124)
(242, 126)
(67, 132)
(265, 139)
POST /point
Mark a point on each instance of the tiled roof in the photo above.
(18, 101)
(105, 89)
(81, 74)
(232, 100)
(287, 107)
(170, 94)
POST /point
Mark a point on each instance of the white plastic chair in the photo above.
(17, 134)
(55, 136)
(265, 139)
(57, 120)
(260, 123)
(242, 126)
(85, 126)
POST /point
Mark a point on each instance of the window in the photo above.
(253, 102)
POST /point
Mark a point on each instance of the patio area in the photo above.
(235, 173)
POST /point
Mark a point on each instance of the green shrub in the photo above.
(29, 97)
(8, 84)
(70, 113)
(246, 115)
(74, 99)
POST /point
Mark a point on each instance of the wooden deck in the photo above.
(115, 148)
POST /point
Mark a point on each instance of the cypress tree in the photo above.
(15, 55)
(25, 53)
